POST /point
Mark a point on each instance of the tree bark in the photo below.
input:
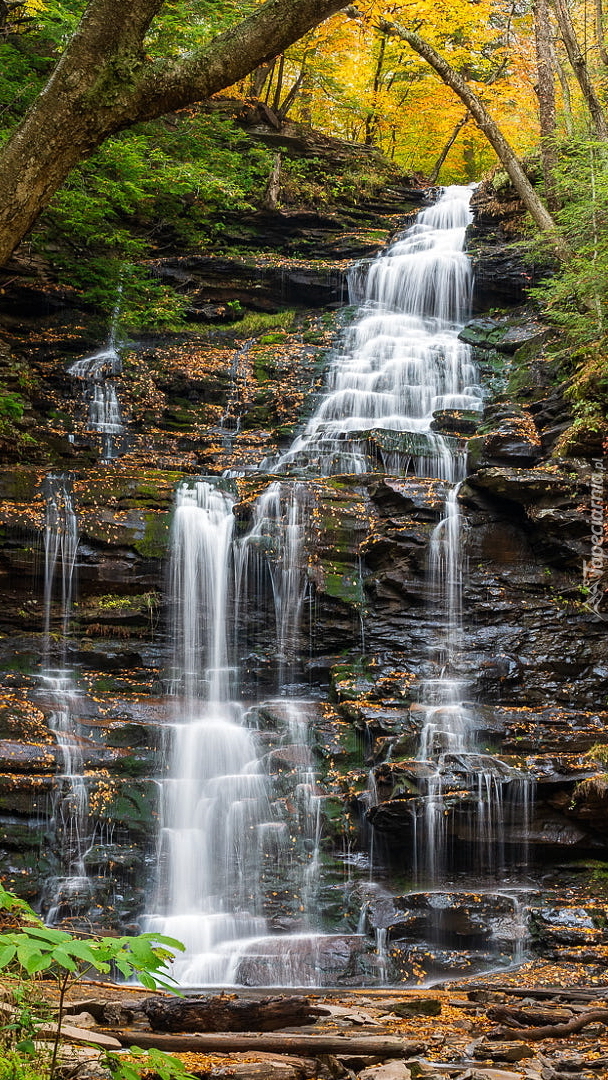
(579, 66)
(226, 1014)
(556, 1031)
(271, 195)
(545, 91)
(104, 82)
(490, 129)
(308, 1045)
(448, 146)
(599, 32)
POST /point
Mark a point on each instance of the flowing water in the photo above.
(96, 374)
(70, 808)
(240, 806)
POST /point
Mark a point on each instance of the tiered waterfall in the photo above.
(233, 837)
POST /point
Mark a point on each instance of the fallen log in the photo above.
(530, 1017)
(384, 1046)
(580, 993)
(557, 1031)
(222, 1013)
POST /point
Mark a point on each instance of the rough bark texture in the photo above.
(579, 66)
(545, 90)
(227, 1014)
(104, 83)
(310, 1045)
(557, 1031)
(490, 129)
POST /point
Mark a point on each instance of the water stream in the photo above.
(96, 374)
(69, 819)
(240, 817)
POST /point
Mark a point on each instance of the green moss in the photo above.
(155, 541)
(343, 581)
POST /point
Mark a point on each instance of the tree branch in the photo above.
(167, 85)
(490, 129)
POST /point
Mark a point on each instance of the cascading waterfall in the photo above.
(96, 373)
(222, 826)
(70, 806)
(401, 361)
(228, 832)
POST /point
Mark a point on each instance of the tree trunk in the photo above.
(492, 132)
(104, 83)
(434, 175)
(271, 195)
(599, 32)
(579, 66)
(565, 88)
(226, 1014)
(545, 91)
(308, 1045)
(371, 120)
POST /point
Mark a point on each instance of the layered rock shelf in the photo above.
(533, 652)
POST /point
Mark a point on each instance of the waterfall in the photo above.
(223, 828)
(95, 372)
(70, 802)
(401, 362)
(240, 811)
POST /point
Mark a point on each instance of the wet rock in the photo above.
(390, 1070)
(509, 435)
(522, 486)
(458, 422)
(26, 757)
(417, 1007)
(503, 1051)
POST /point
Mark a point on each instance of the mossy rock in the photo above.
(129, 805)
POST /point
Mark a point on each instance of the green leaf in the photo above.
(63, 958)
(7, 953)
(27, 1046)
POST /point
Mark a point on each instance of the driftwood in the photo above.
(305, 1045)
(529, 1017)
(228, 1014)
(579, 993)
(557, 1031)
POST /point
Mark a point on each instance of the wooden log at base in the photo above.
(383, 1046)
(557, 1031)
(228, 1014)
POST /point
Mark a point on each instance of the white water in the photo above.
(227, 832)
(401, 361)
(99, 390)
(222, 826)
(70, 805)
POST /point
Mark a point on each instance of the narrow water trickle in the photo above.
(96, 374)
(241, 808)
(70, 803)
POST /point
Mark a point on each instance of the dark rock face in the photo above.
(533, 653)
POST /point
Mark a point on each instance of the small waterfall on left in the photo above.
(70, 804)
(96, 374)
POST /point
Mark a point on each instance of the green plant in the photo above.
(13, 1066)
(11, 406)
(30, 948)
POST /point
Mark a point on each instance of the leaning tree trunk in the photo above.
(434, 175)
(104, 83)
(579, 66)
(599, 32)
(508, 158)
